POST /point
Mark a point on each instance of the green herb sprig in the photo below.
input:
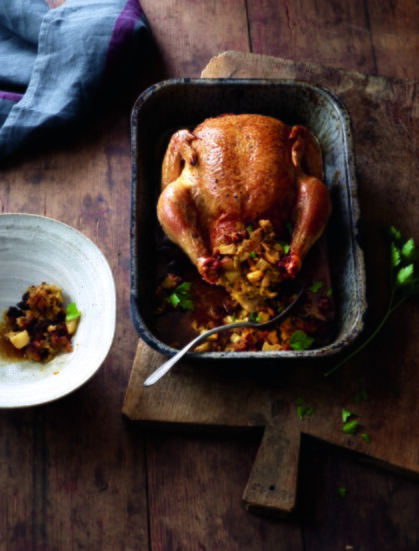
(403, 254)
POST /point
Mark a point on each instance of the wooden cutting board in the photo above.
(381, 384)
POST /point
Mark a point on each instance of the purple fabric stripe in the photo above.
(10, 96)
(124, 25)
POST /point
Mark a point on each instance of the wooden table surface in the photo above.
(74, 474)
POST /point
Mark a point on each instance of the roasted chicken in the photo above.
(220, 181)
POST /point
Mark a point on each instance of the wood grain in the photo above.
(73, 474)
(337, 33)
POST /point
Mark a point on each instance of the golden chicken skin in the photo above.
(224, 180)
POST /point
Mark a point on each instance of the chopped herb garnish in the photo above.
(253, 316)
(252, 254)
(181, 297)
(316, 286)
(342, 492)
(249, 229)
(346, 414)
(234, 317)
(300, 341)
(285, 246)
(303, 410)
(279, 309)
(329, 292)
(366, 437)
(350, 427)
(361, 394)
(72, 312)
(402, 283)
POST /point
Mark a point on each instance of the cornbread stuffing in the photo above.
(39, 326)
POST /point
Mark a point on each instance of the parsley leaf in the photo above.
(342, 492)
(181, 297)
(304, 410)
(346, 414)
(366, 437)
(409, 251)
(300, 341)
(285, 246)
(316, 286)
(252, 254)
(72, 312)
(361, 394)
(350, 427)
(253, 316)
(404, 275)
(395, 256)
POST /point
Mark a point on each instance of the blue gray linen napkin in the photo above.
(53, 62)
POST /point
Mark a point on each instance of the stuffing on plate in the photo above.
(39, 326)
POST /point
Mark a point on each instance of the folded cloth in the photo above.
(53, 61)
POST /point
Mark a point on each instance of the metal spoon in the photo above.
(163, 369)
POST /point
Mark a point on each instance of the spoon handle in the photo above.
(164, 368)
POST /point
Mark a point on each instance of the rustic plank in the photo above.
(334, 33)
(188, 33)
(194, 496)
(73, 471)
(380, 509)
(394, 30)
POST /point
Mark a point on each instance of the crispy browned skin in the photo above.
(236, 169)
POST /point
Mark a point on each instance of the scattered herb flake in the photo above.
(285, 246)
(316, 286)
(181, 297)
(249, 229)
(252, 254)
(72, 312)
(342, 492)
(329, 292)
(346, 414)
(366, 437)
(350, 427)
(303, 410)
(300, 341)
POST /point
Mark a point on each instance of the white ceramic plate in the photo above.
(34, 249)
